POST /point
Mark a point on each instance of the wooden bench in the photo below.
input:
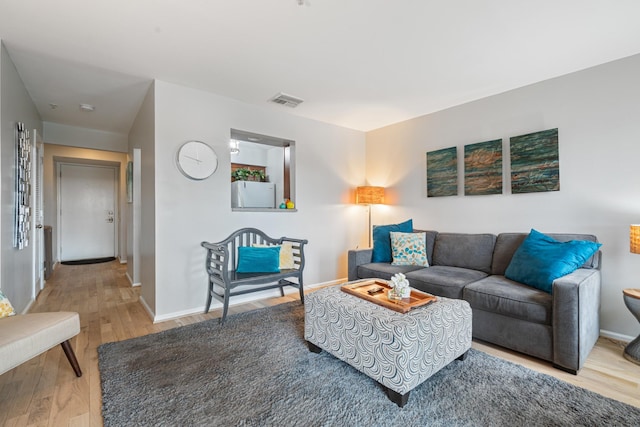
(222, 259)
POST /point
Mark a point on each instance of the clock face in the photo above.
(196, 160)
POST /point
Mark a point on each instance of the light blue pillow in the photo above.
(409, 249)
(258, 260)
(541, 259)
(382, 241)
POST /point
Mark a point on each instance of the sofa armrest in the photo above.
(576, 317)
(357, 257)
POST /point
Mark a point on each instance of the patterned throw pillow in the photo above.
(409, 248)
(6, 309)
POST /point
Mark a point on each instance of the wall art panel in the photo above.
(442, 172)
(22, 218)
(483, 168)
(535, 164)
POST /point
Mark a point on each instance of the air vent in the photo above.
(286, 100)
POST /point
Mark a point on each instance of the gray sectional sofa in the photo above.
(561, 327)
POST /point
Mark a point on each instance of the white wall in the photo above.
(329, 164)
(597, 113)
(143, 210)
(15, 106)
(86, 138)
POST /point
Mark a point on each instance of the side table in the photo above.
(632, 301)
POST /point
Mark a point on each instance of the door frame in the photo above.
(116, 199)
(37, 202)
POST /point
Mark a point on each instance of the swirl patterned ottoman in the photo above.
(400, 351)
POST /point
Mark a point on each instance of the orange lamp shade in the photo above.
(368, 195)
(634, 238)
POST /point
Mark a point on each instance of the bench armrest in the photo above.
(298, 250)
(576, 317)
(357, 257)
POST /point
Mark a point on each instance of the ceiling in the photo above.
(361, 64)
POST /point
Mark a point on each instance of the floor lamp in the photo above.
(368, 195)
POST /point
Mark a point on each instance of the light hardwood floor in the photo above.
(44, 391)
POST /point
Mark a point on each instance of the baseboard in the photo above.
(133, 285)
(178, 314)
(122, 260)
(29, 305)
(616, 336)
(242, 299)
(147, 308)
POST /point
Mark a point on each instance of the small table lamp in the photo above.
(632, 298)
(368, 195)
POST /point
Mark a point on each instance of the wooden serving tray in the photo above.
(361, 290)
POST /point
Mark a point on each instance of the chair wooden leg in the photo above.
(301, 289)
(209, 296)
(225, 306)
(71, 356)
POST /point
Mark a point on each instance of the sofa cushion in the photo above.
(383, 270)
(431, 241)
(541, 259)
(443, 281)
(409, 249)
(508, 243)
(382, 240)
(473, 251)
(497, 294)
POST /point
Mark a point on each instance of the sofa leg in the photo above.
(569, 370)
(71, 356)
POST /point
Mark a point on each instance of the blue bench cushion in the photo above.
(258, 259)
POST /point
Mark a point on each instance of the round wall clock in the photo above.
(196, 160)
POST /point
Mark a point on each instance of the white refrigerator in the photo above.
(250, 194)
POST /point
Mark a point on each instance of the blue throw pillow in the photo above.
(541, 259)
(258, 260)
(382, 240)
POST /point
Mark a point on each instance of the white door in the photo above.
(87, 211)
(38, 214)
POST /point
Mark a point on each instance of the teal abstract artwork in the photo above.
(483, 168)
(442, 172)
(535, 164)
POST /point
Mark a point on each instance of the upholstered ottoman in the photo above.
(400, 351)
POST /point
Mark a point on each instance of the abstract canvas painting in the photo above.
(442, 172)
(483, 168)
(535, 164)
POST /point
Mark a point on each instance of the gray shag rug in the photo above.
(256, 370)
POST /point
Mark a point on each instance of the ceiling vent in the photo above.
(286, 100)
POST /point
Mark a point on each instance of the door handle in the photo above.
(39, 226)
(109, 219)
